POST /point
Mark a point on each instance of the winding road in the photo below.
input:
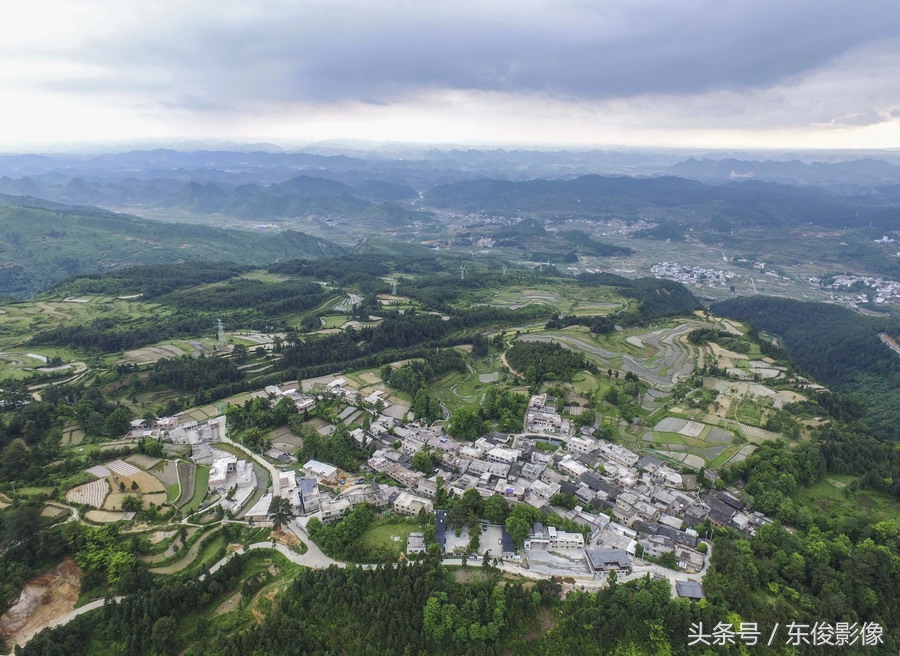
(314, 558)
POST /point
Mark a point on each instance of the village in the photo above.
(692, 275)
(878, 290)
(633, 512)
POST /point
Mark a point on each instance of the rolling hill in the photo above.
(42, 243)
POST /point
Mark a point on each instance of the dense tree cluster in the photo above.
(417, 374)
(188, 374)
(408, 609)
(774, 472)
(152, 280)
(501, 406)
(838, 346)
(398, 337)
(27, 546)
(341, 539)
(260, 412)
(599, 325)
(145, 622)
(30, 432)
(266, 299)
(656, 298)
(856, 450)
(504, 406)
(107, 335)
(639, 618)
(100, 553)
(589, 246)
(542, 361)
(341, 270)
(339, 448)
(818, 576)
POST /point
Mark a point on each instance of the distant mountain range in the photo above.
(373, 194)
(732, 204)
(377, 187)
(299, 197)
(42, 243)
(845, 177)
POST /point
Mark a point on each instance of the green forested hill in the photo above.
(838, 346)
(42, 243)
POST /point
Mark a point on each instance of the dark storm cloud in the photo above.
(382, 52)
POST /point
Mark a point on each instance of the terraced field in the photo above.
(669, 359)
(187, 475)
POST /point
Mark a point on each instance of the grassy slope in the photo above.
(41, 247)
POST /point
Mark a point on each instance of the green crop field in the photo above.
(201, 485)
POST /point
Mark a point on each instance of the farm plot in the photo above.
(720, 435)
(90, 494)
(104, 516)
(282, 438)
(203, 413)
(187, 476)
(166, 471)
(141, 461)
(693, 443)
(756, 434)
(72, 436)
(115, 481)
(152, 354)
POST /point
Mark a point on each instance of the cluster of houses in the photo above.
(305, 490)
(690, 274)
(542, 417)
(178, 429)
(304, 402)
(882, 290)
(627, 504)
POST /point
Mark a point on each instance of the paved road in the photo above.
(276, 491)
(314, 558)
(307, 560)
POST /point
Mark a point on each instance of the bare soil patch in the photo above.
(53, 512)
(104, 516)
(287, 539)
(42, 600)
(229, 604)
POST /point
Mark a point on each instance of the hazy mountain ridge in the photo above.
(42, 243)
(744, 203)
(300, 196)
(866, 173)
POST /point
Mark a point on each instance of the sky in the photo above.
(810, 74)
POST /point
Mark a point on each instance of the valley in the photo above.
(560, 388)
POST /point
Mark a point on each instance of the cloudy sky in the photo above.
(705, 73)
